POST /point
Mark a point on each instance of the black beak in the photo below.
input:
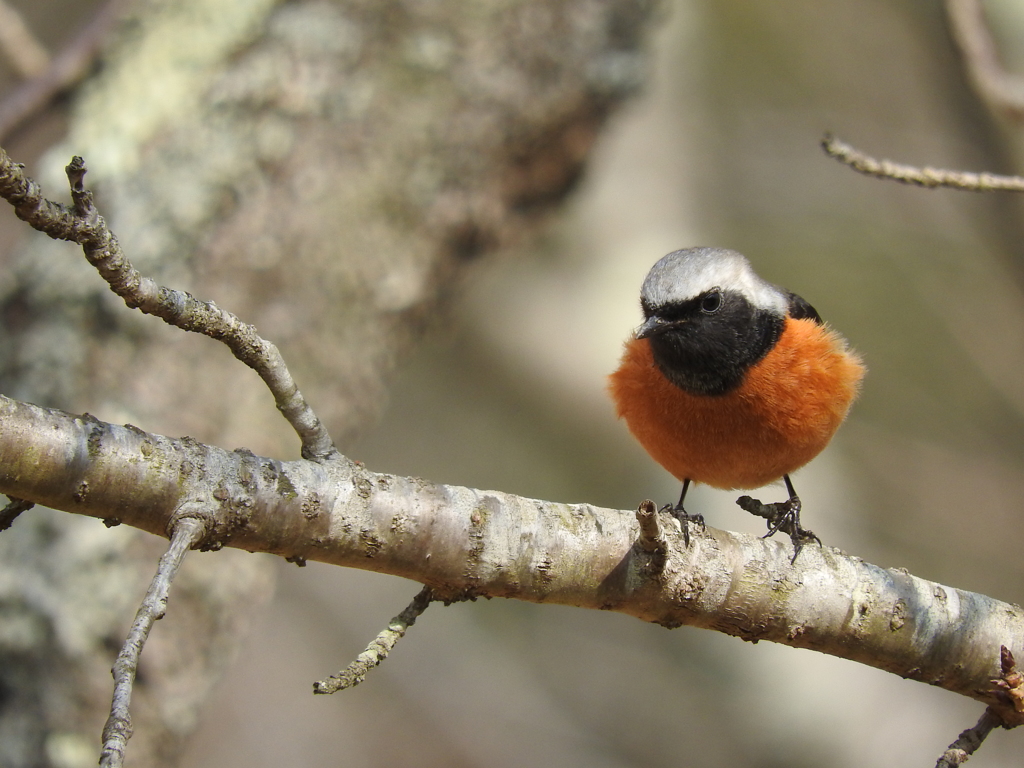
(655, 326)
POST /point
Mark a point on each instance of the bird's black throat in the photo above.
(709, 353)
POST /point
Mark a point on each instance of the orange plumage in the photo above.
(782, 415)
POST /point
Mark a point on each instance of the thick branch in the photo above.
(463, 542)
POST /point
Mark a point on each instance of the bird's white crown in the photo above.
(685, 274)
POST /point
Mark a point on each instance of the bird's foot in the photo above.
(685, 518)
(781, 516)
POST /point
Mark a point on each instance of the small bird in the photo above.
(732, 381)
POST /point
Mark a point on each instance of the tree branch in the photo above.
(188, 530)
(10, 513)
(921, 177)
(21, 48)
(61, 72)
(968, 741)
(82, 224)
(993, 83)
(464, 543)
(379, 649)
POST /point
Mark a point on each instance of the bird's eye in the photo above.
(711, 303)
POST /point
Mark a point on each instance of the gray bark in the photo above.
(326, 170)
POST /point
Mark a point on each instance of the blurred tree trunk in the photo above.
(326, 170)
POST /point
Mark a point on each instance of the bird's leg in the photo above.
(782, 516)
(787, 512)
(684, 517)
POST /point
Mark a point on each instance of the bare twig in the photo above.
(23, 50)
(921, 177)
(9, 513)
(1010, 690)
(968, 742)
(993, 83)
(83, 224)
(379, 649)
(65, 69)
(187, 533)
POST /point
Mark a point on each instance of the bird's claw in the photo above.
(685, 518)
(781, 516)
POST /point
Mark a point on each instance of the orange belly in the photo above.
(782, 415)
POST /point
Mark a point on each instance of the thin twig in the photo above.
(65, 69)
(921, 177)
(379, 649)
(10, 513)
(118, 729)
(993, 83)
(968, 742)
(23, 50)
(82, 224)
(1007, 714)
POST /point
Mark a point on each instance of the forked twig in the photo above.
(82, 224)
(379, 649)
(187, 533)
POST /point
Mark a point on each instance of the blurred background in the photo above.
(507, 392)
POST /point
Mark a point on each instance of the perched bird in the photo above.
(732, 381)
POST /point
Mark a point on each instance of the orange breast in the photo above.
(782, 415)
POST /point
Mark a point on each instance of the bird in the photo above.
(732, 381)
